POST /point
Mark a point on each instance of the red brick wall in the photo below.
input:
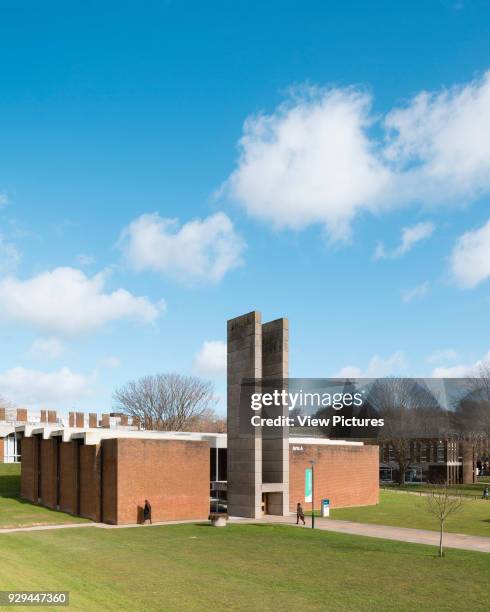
(172, 475)
(48, 473)
(108, 453)
(28, 478)
(347, 475)
(89, 482)
(67, 476)
(92, 420)
(2, 414)
(43, 416)
(52, 416)
(79, 419)
(71, 419)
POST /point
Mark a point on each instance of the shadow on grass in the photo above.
(9, 485)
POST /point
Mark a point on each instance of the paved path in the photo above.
(385, 532)
(88, 524)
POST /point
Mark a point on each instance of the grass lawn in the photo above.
(240, 567)
(404, 510)
(15, 512)
(9, 478)
(468, 490)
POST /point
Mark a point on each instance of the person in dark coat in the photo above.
(300, 515)
(147, 512)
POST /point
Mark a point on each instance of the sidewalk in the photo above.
(386, 532)
(90, 524)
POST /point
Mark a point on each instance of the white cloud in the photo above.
(49, 348)
(377, 367)
(85, 260)
(111, 363)
(461, 370)
(211, 358)
(442, 356)
(3, 199)
(470, 258)
(33, 388)
(200, 250)
(310, 161)
(410, 236)
(440, 141)
(9, 256)
(416, 292)
(315, 158)
(66, 302)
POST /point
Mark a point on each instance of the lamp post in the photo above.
(312, 463)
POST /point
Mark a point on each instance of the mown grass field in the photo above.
(9, 478)
(467, 490)
(15, 512)
(406, 510)
(240, 567)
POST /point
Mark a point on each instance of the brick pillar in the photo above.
(80, 419)
(43, 416)
(92, 420)
(52, 416)
(106, 420)
(29, 473)
(22, 415)
(69, 477)
(124, 419)
(48, 472)
(2, 414)
(71, 419)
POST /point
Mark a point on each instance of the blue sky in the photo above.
(169, 166)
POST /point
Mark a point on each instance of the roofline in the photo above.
(95, 435)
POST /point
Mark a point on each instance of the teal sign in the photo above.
(308, 485)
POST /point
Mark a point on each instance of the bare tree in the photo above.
(166, 402)
(442, 502)
(410, 411)
(210, 422)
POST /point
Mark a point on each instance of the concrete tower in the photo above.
(258, 458)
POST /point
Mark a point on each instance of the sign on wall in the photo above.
(308, 485)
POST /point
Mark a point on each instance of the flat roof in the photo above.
(95, 434)
(6, 430)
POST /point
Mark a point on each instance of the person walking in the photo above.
(147, 512)
(300, 515)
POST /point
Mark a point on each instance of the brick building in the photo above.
(434, 460)
(10, 443)
(106, 475)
